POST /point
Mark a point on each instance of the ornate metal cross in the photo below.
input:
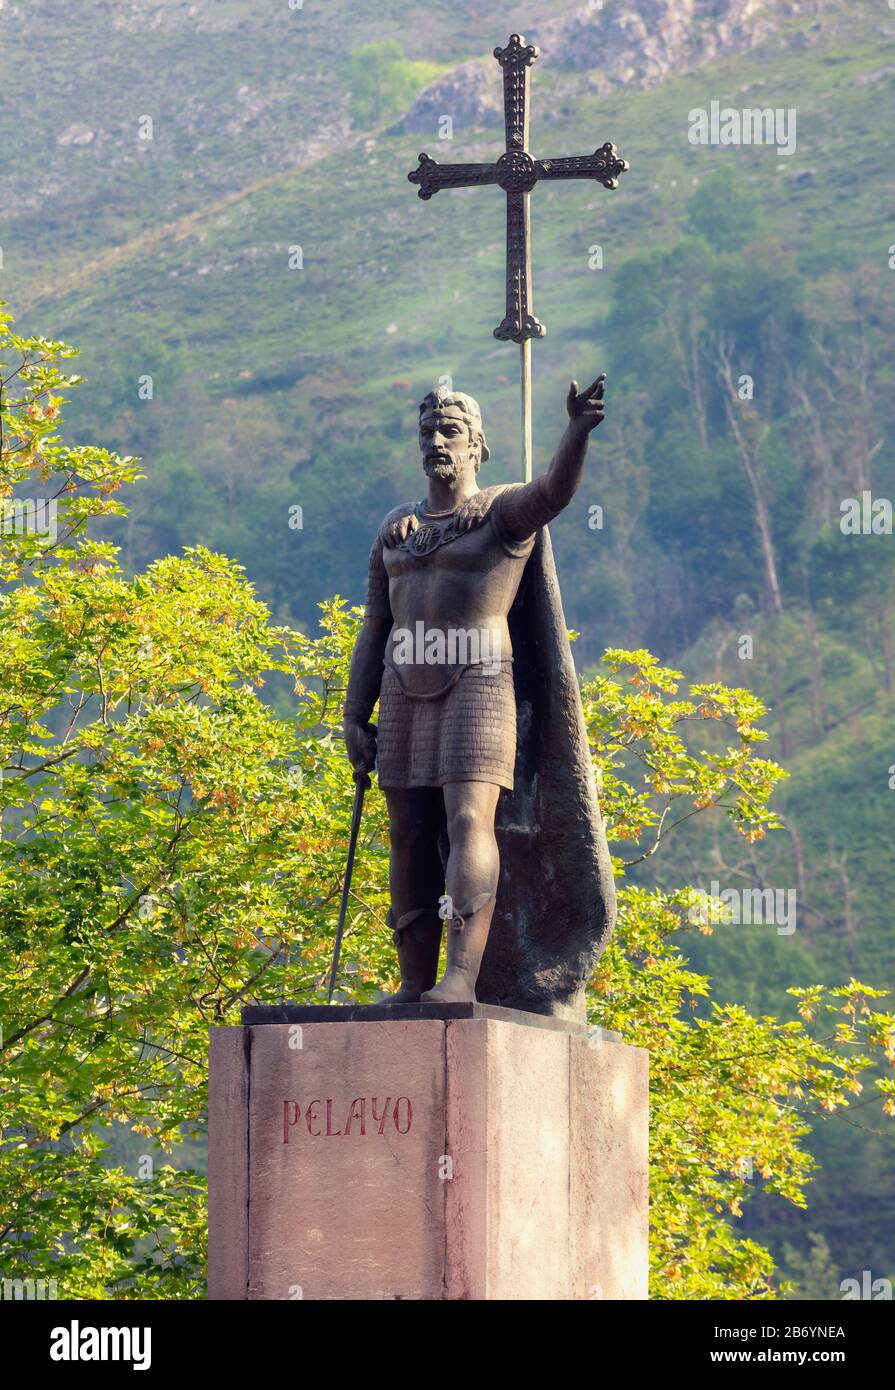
(517, 172)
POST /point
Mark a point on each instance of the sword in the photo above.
(361, 783)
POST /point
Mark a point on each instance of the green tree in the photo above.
(384, 83)
(725, 210)
(812, 1271)
(172, 848)
(861, 567)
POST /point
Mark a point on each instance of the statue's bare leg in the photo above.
(472, 872)
(416, 880)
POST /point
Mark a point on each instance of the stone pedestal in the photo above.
(428, 1152)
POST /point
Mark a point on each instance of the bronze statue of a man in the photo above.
(446, 610)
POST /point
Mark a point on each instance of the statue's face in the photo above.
(447, 448)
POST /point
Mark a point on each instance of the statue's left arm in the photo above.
(524, 509)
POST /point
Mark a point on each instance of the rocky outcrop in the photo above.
(640, 45)
(618, 45)
(472, 95)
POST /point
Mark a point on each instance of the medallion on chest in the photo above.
(430, 535)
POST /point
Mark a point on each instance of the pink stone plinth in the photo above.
(426, 1159)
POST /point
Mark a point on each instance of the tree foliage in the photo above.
(384, 83)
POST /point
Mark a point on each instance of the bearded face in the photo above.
(447, 447)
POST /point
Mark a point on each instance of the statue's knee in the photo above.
(465, 824)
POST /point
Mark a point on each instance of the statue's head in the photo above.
(451, 436)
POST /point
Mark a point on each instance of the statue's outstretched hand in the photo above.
(586, 408)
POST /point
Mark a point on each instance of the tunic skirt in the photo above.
(466, 734)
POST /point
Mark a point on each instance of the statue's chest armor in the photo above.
(435, 549)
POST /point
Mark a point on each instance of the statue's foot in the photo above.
(407, 994)
(417, 935)
(454, 988)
